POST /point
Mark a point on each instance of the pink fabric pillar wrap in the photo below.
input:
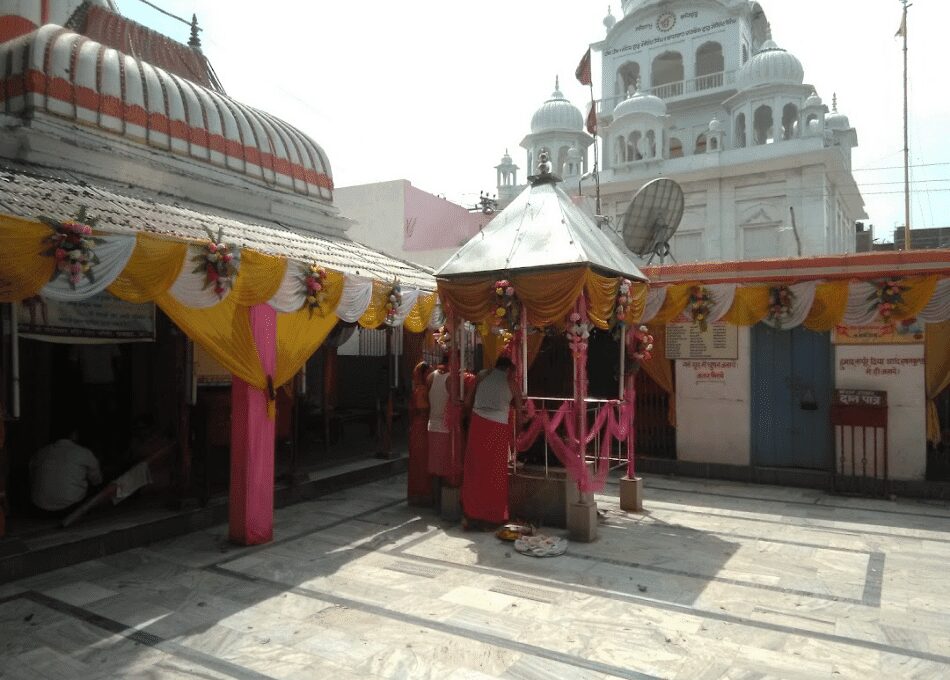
(251, 501)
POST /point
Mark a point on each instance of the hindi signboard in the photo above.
(100, 318)
(901, 333)
(687, 341)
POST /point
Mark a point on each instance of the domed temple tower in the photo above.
(701, 93)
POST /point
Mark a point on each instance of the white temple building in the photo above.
(700, 93)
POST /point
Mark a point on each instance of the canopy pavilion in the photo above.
(544, 263)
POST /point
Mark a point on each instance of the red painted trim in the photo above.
(12, 26)
(35, 81)
(44, 12)
(827, 267)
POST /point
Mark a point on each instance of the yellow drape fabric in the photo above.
(152, 269)
(677, 296)
(638, 302)
(660, 369)
(601, 298)
(23, 268)
(492, 346)
(375, 314)
(919, 291)
(749, 307)
(468, 298)
(417, 321)
(550, 296)
(827, 311)
(937, 357)
(258, 278)
(301, 333)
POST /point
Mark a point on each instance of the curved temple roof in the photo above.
(62, 73)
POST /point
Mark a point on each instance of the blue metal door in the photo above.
(791, 395)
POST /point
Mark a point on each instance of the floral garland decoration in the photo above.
(72, 245)
(888, 293)
(623, 301)
(505, 317)
(781, 299)
(315, 284)
(218, 262)
(578, 333)
(393, 302)
(641, 344)
(700, 304)
(443, 338)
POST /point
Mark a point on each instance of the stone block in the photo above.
(631, 494)
(582, 521)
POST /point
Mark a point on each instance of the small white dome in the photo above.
(506, 159)
(771, 65)
(836, 120)
(640, 102)
(813, 100)
(715, 125)
(610, 20)
(573, 154)
(557, 113)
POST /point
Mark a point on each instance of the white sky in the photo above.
(434, 91)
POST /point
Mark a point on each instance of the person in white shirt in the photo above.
(61, 473)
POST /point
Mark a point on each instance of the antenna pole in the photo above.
(906, 138)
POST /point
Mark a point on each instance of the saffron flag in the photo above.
(583, 69)
(902, 31)
(592, 119)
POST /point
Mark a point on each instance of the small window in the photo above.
(740, 131)
(676, 148)
(700, 144)
(763, 129)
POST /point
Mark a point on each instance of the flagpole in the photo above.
(593, 105)
(906, 138)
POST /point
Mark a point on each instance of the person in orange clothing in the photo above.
(419, 490)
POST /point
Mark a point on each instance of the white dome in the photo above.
(771, 65)
(557, 113)
(610, 20)
(813, 100)
(640, 102)
(715, 125)
(836, 120)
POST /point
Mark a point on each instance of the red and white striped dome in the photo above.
(62, 73)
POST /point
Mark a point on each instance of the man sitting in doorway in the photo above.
(61, 473)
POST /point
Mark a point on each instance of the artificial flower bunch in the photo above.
(578, 333)
(700, 304)
(315, 282)
(393, 302)
(505, 316)
(218, 262)
(888, 293)
(623, 301)
(72, 246)
(781, 299)
(443, 338)
(641, 344)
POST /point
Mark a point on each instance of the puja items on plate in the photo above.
(514, 530)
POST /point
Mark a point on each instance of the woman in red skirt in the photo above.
(490, 437)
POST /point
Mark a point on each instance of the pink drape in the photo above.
(251, 500)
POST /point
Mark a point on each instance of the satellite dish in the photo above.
(652, 218)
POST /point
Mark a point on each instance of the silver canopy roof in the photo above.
(541, 229)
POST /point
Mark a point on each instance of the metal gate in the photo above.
(791, 395)
(859, 418)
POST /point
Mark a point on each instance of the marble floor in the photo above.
(712, 580)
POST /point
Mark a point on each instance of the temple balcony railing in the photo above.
(675, 90)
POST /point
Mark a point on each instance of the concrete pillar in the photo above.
(581, 513)
(251, 498)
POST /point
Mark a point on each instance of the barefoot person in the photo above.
(490, 436)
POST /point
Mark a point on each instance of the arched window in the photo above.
(762, 126)
(633, 147)
(627, 76)
(676, 148)
(709, 66)
(620, 153)
(713, 144)
(789, 121)
(740, 131)
(700, 145)
(561, 160)
(650, 142)
(667, 75)
(530, 163)
(745, 53)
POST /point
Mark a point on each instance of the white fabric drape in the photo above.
(860, 309)
(292, 294)
(655, 299)
(722, 296)
(938, 309)
(804, 298)
(356, 298)
(113, 253)
(190, 289)
(409, 299)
